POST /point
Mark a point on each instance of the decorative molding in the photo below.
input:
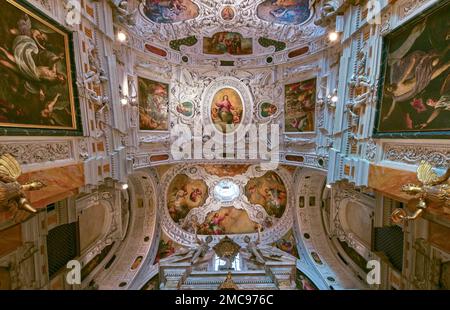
(371, 150)
(435, 154)
(38, 152)
(408, 7)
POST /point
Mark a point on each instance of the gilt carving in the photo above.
(433, 188)
(12, 194)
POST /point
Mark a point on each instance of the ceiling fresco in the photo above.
(161, 21)
(170, 11)
(185, 194)
(284, 11)
(268, 191)
(224, 199)
(228, 220)
(232, 43)
(225, 170)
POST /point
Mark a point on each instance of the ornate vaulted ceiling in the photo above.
(251, 33)
(177, 108)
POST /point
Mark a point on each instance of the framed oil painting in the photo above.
(414, 96)
(37, 90)
(153, 105)
(232, 43)
(300, 107)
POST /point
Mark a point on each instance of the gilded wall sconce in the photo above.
(12, 194)
(433, 188)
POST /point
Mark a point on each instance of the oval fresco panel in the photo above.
(227, 13)
(227, 110)
(228, 221)
(268, 191)
(284, 11)
(185, 194)
(267, 110)
(186, 109)
(173, 11)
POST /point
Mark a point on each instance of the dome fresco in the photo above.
(268, 191)
(185, 194)
(214, 204)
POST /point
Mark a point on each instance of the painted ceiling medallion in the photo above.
(227, 105)
(227, 110)
(228, 13)
(267, 110)
(226, 191)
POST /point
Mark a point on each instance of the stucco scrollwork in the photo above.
(209, 21)
(35, 153)
(437, 155)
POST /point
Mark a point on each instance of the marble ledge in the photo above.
(61, 183)
(389, 181)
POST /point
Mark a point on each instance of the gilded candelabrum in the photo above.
(433, 188)
(12, 193)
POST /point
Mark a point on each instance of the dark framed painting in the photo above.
(37, 80)
(414, 93)
(153, 105)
